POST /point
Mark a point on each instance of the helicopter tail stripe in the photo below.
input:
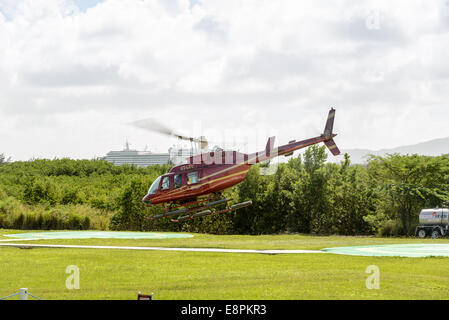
(330, 144)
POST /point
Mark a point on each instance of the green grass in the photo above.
(120, 274)
(293, 241)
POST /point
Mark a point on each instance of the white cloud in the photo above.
(73, 77)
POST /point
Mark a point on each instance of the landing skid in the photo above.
(210, 212)
(201, 209)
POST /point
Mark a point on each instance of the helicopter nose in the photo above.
(147, 200)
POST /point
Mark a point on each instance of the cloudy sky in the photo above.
(73, 73)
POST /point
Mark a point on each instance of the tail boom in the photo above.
(288, 149)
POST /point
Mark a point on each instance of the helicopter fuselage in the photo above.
(213, 172)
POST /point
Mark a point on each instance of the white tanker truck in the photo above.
(433, 223)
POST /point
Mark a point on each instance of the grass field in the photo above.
(120, 274)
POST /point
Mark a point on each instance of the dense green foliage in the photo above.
(305, 195)
(308, 196)
(55, 194)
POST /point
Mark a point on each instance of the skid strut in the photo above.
(210, 212)
(200, 208)
(193, 207)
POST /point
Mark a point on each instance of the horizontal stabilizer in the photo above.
(330, 144)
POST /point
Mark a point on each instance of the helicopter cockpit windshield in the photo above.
(154, 186)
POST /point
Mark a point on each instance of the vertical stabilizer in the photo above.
(329, 135)
(329, 124)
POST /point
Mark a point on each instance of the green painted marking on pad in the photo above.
(394, 250)
(98, 235)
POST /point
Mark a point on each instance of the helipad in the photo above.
(98, 234)
(394, 250)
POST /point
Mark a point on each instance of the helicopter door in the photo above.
(177, 181)
(166, 183)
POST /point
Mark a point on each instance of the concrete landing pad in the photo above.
(98, 235)
(395, 250)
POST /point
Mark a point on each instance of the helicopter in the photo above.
(195, 189)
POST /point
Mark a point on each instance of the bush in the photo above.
(3, 194)
(131, 211)
(391, 228)
(14, 215)
(40, 191)
(71, 195)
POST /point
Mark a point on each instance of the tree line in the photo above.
(305, 195)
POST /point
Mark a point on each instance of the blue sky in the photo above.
(83, 5)
(8, 7)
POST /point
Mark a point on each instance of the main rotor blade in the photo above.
(153, 125)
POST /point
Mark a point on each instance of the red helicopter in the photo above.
(194, 189)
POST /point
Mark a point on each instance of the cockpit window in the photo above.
(165, 183)
(154, 186)
(192, 177)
